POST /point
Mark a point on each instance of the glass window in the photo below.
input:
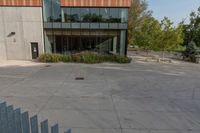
(56, 10)
(94, 15)
(49, 41)
(52, 11)
(75, 15)
(85, 15)
(47, 11)
(114, 15)
(66, 15)
(104, 14)
(123, 15)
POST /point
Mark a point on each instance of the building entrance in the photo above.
(69, 42)
(74, 44)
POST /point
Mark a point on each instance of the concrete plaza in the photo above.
(112, 98)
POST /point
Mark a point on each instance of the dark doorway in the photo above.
(86, 43)
(76, 44)
(34, 50)
(59, 44)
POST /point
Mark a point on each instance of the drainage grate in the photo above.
(79, 78)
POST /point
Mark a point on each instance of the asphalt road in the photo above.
(112, 98)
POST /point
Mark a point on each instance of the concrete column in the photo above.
(122, 42)
(115, 45)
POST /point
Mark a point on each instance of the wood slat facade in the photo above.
(70, 3)
(22, 3)
(96, 3)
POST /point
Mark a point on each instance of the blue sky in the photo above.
(176, 10)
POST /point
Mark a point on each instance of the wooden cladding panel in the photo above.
(96, 3)
(20, 2)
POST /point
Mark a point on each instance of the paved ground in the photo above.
(113, 98)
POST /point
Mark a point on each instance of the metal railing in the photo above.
(14, 121)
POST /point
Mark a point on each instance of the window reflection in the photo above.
(56, 11)
(94, 15)
(123, 15)
(75, 15)
(104, 14)
(66, 15)
(52, 11)
(47, 11)
(85, 15)
(114, 15)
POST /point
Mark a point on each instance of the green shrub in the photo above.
(57, 58)
(76, 58)
(45, 58)
(54, 58)
(107, 58)
(67, 58)
(84, 57)
(88, 57)
(122, 59)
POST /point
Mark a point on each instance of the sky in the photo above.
(176, 10)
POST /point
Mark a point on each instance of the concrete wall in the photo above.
(26, 22)
(2, 38)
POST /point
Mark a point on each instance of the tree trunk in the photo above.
(147, 52)
(163, 55)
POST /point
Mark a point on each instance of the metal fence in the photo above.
(14, 121)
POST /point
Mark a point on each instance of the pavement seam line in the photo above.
(116, 112)
(61, 84)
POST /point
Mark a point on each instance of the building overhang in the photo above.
(96, 3)
(21, 3)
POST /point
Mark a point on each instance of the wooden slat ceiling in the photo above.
(20, 2)
(96, 3)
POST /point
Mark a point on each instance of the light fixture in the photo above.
(11, 34)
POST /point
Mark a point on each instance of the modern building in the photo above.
(31, 27)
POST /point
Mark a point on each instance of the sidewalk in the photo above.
(5, 63)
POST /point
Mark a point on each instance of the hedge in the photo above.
(83, 57)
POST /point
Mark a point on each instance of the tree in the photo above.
(137, 14)
(192, 30)
(148, 33)
(171, 36)
(158, 36)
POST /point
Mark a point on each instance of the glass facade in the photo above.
(47, 11)
(95, 15)
(72, 41)
(85, 15)
(70, 30)
(114, 15)
(56, 11)
(52, 11)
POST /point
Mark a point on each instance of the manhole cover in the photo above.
(79, 78)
